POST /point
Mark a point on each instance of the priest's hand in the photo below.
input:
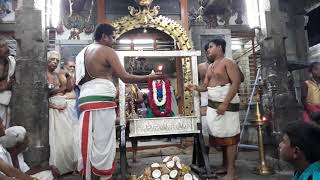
(156, 76)
(191, 87)
(222, 108)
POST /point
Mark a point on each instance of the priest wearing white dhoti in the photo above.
(7, 78)
(96, 67)
(222, 82)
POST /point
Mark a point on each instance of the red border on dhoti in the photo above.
(85, 136)
(97, 105)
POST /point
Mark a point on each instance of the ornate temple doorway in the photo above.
(146, 43)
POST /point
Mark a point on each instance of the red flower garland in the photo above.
(153, 105)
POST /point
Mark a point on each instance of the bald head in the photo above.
(69, 65)
(13, 136)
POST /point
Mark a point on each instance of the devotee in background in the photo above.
(60, 122)
(96, 67)
(310, 94)
(16, 141)
(222, 82)
(300, 147)
(68, 70)
(7, 79)
(68, 67)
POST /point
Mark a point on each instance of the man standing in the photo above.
(60, 122)
(310, 95)
(7, 78)
(222, 81)
(69, 69)
(96, 67)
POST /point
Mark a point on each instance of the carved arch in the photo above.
(161, 23)
(147, 18)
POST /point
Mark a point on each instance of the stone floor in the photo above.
(246, 163)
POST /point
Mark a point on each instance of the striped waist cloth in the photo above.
(96, 102)
(233, 107)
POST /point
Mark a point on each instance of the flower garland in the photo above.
(160, 91)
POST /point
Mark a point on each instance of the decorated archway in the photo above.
(146, 17)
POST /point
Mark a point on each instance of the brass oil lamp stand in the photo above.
(263, 168)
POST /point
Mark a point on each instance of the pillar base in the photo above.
(263, 170)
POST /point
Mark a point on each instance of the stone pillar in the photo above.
(29, 101)
(201, 35)
(278, 101)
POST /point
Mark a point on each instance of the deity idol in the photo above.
(162, 102)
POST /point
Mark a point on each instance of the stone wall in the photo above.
(29, 101)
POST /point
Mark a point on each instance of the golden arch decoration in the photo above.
(147, 18)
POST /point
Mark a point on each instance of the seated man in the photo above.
(15, 142)
(7, 171)
(300, 147)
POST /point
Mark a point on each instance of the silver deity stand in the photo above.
(179, 126)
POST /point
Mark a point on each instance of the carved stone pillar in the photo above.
(29, 101)
(279, 103)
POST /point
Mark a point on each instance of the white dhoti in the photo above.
(71, 109)
(5, 96)
(224, 128)
(5, 115)
(97, 128)
(61, 136)
(203, 99)
(44, 175)
(204, 124)
(23, 166)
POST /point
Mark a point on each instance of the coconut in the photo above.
(170, 164)
(155, 165)
(187, 176)
(165, 177)
(176, 159)
(178, 164)
(166, 159)
(156, 173)
(173, 174)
